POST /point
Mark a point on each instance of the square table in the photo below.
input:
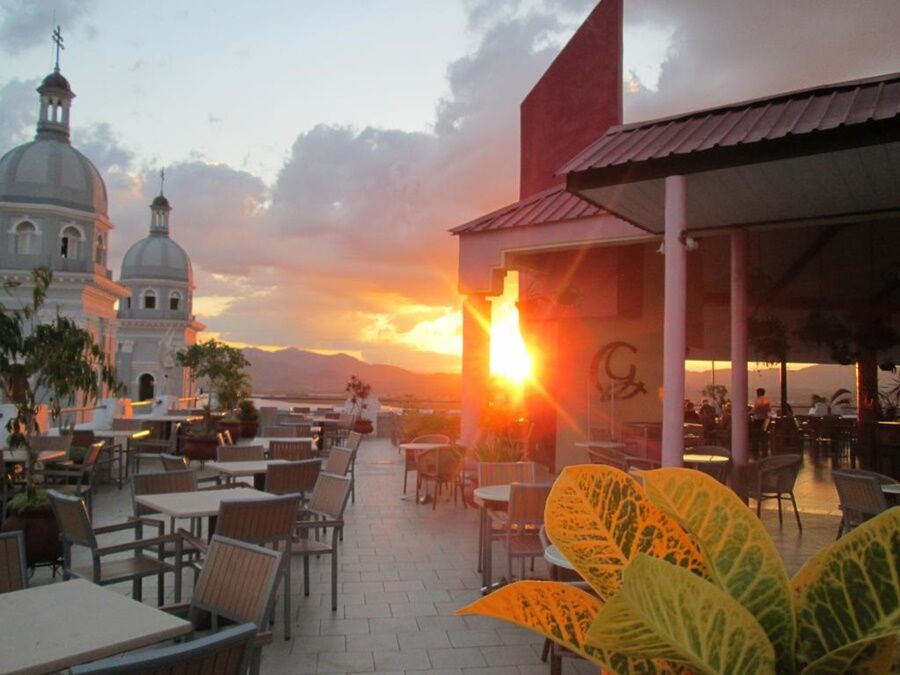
(199, 504)
(256, 468)
(48, 628)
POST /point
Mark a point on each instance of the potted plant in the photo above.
(249, 417)
(359, 391)
(44, 361)
(222, 366)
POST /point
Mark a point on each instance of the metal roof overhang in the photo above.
(845, 174)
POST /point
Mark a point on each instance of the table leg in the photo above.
(486, 552)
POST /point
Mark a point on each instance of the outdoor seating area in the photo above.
(381, 579)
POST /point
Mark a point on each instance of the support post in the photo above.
(476, 363)
(740, 425)
(675, 319)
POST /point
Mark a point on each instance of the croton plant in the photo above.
(685, 579)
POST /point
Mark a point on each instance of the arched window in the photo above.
(127, 303)
(70, 243)
(26, 238)
(174, 301)
(100, 253)
(146, 384)
(149, 299)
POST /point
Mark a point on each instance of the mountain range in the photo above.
(298, 373)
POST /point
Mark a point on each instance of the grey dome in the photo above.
(157, 257)
(50, 171)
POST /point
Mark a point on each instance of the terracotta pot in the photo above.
(42, 544)
(200, 449)
(249, 428)
(363, 426)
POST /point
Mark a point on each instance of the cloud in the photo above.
(18, 111)
(25, 24)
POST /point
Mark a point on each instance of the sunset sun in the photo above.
(509, 355)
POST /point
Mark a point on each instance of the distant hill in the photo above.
(294, 372)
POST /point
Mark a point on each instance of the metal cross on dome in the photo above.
(58, 40)
(162, 181)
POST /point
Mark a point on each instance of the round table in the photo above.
(555, 557)
(489, 497)
(891, 488)
(705, 459)
(492, 495)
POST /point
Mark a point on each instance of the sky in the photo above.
(316, 153)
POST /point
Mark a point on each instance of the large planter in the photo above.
(249, 428)
(200, 449)
(42, 544)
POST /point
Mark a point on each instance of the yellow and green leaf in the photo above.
(741, 556)
(666, 612)
(869, 657)
(850, 592)
(600, 519)
(561, 612)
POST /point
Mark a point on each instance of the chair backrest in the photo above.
(338, 461)
(505, 473)
(258, 521)
(227, 652)
(160, 483)
(82, 438)
(292, 477)
(859, 494)
(127, 424)
(526, 504)
(93, 454)
(330, 495)
(13, 575)
(237, 581)
(278, 431)
(293, 451)
(56, 443)
(354, 438)
(711, 450)
(268, 415)
(240, 453)
(174, 462)
(301, 430)
(72, 519)
(442, 462)
(431, 438)
(779, 472)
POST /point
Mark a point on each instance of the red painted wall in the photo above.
(575, 101)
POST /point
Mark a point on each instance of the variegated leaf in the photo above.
(665, 612)
(561, 612)
(741, 556)
(850, 592)
(600, 519)
(870, 657)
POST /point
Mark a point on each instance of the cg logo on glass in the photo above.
(612, 383)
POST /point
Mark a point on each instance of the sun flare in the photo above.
(509, 355)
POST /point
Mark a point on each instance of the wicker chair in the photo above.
(75, 529)
(325, 510)
(237, 583)
(240, 453)
(525, 518)
(292, 477)
(775, 478)
(13, 576)
(501, 473)
(292, 451)
(278, 431)
(409, 463)
(860, 496)
(224, 653)
(440, 466)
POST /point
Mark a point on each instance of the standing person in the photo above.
(759, 420)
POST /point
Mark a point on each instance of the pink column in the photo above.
(740, 434)
(675, 319)
(476, 363)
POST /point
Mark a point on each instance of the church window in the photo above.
(128, 303)
(174, 301)
(149, 300)
(100, 254)
(26, 238)
(69, 243)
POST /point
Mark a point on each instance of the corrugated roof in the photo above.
(549, 206)
(776, 117)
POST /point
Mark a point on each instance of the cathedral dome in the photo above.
(156, 257)
(50, 171)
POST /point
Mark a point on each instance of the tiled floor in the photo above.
(404, 570)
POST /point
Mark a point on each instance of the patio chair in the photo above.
(163, 483)
(13, 570)
(268, 416)
(302, 430)
(338, 461)
(237, 583)
(860, 496)
(525, 518)
(75, 529)
(181, 463)
(75, 479)
(440, 466)
(227, 652)
(293, 477)
(292, 451)
(501, 473)
(775, 478)
(240, 453)
(325, 510)
(410, 458)
(352, 443)
(278, 431)
(152, 446)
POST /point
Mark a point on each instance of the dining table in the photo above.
(489, 497)
(198, 504)
(254, 468)
(55, 626)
